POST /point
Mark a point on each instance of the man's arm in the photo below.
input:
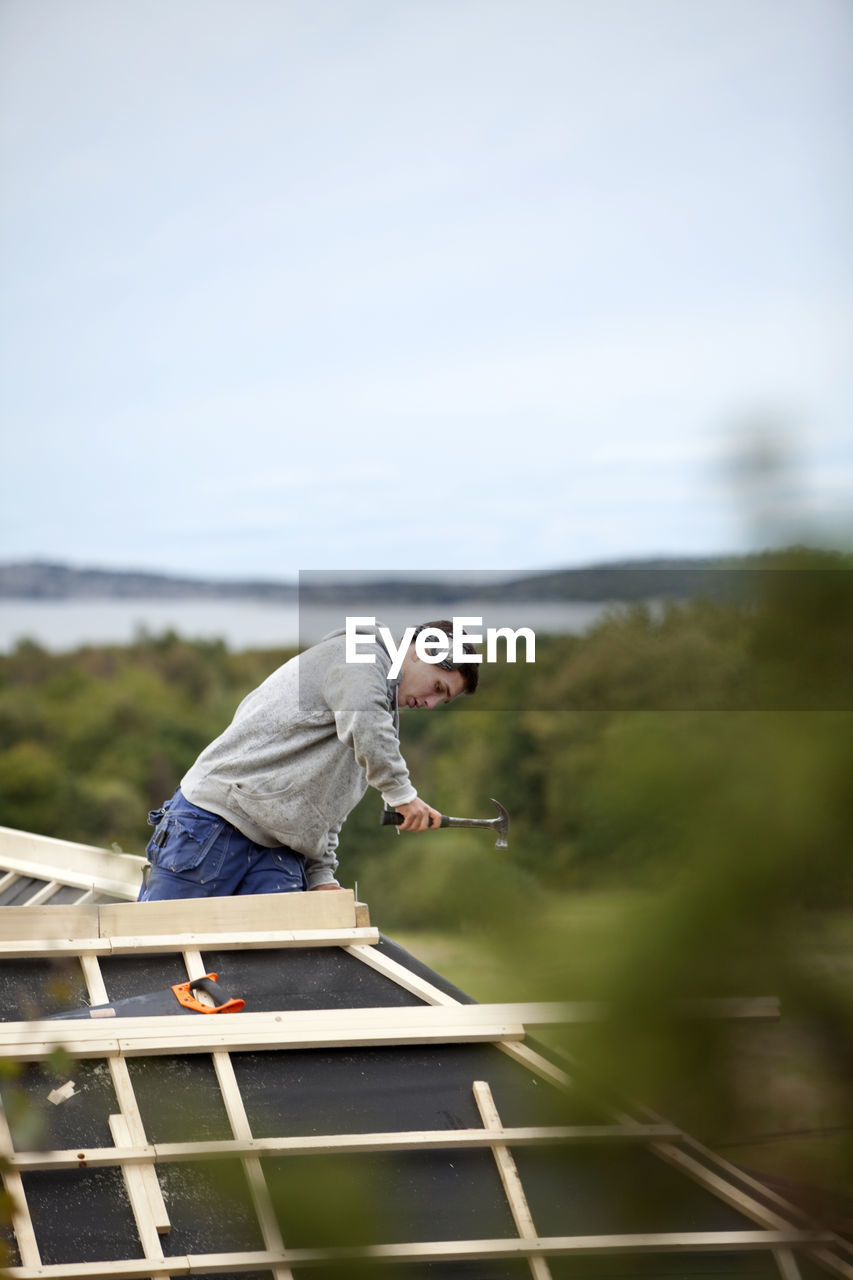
(321, 872)
(358, 696)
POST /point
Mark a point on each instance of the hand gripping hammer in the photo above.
(391, 818)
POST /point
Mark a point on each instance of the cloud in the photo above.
(526, 266)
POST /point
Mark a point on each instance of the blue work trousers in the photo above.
(196, 854)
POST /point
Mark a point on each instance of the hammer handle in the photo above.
(391, 818)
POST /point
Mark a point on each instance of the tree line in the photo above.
(699, 749)
(603, 750)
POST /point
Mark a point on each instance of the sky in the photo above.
(423, 284)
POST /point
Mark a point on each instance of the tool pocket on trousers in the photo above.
(183, 841)
(291, 866)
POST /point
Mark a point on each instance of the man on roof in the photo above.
(261, 809)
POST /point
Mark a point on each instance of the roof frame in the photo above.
(328, 920)
(55, 864)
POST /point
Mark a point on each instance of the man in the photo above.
(261, 809)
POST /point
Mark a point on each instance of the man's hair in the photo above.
(470, 671)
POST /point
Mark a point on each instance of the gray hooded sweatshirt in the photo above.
(302, 750)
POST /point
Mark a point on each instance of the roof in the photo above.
(37, 869)
(360, 1116)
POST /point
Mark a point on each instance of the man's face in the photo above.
(425, 684)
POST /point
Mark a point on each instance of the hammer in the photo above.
(391, 818)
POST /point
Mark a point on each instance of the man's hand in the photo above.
(418, 816)
(316, 887)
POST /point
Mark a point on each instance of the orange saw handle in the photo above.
(184, 994)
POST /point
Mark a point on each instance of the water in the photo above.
(61, 625)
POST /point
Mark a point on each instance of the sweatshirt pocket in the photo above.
(183, 839)
(287, 814)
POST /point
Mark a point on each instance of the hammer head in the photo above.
(501, 824)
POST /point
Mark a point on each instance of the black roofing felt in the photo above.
(19, 891)
(347, 1199)
(39, 988)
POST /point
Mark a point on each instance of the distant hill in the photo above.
(38, 580)
(624, 581)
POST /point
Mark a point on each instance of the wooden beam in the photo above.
(399, 974)
(7, 880)
(48, 946)
(251, 913)
(362, 913)
(510, 1181)
(260, 939)
(22, 1223)
(650, 1243)
(429, 1251)
(538, 1064)
(303, 1028)
(132, 1131)
(46, 858)
(831, 1261)
(122, 1269)
(42, 947)
(404, 977)
(751, 1208)
(277, 919)
(786, 1264)
(722, 1189)
(43, 894)
(137, 1192)
(53, 924)
(128, 1130)
(94, 979)
(342, 1143)
(239, 1122)
(521, 1053)
(704, 1162)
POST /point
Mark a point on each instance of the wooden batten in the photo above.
(260, 919)
(46, 858)
(344, 1143)
(145, 1036)
(434, 1251)
(28, 924)
(253, 913)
